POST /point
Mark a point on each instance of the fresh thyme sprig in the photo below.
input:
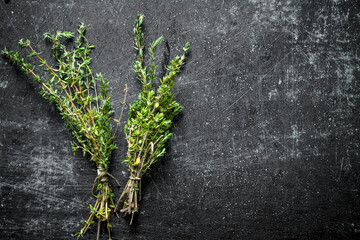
(150, 119)
(84, 104)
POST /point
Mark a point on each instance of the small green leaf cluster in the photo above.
(150, 116)
(81, 97)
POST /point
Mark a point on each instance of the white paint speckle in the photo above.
(273, 94)
(4, 84)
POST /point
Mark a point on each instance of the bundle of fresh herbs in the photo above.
(84, 104)
(150, 118)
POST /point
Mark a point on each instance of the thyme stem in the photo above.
(150, 118)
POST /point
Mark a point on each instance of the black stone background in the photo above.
(267, 146)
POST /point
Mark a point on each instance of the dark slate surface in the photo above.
(267, 146)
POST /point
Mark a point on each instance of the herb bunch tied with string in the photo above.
(150, 118)
(84, 104)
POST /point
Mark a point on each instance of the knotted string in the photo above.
(102, 177)
(134, 178)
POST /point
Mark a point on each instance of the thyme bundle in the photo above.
(150, 118)
(84, 104)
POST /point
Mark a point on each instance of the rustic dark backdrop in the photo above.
(267, 146)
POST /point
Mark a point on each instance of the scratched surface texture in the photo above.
(267, 146)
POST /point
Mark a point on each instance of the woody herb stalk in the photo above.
(150, 119)
(84, 104)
